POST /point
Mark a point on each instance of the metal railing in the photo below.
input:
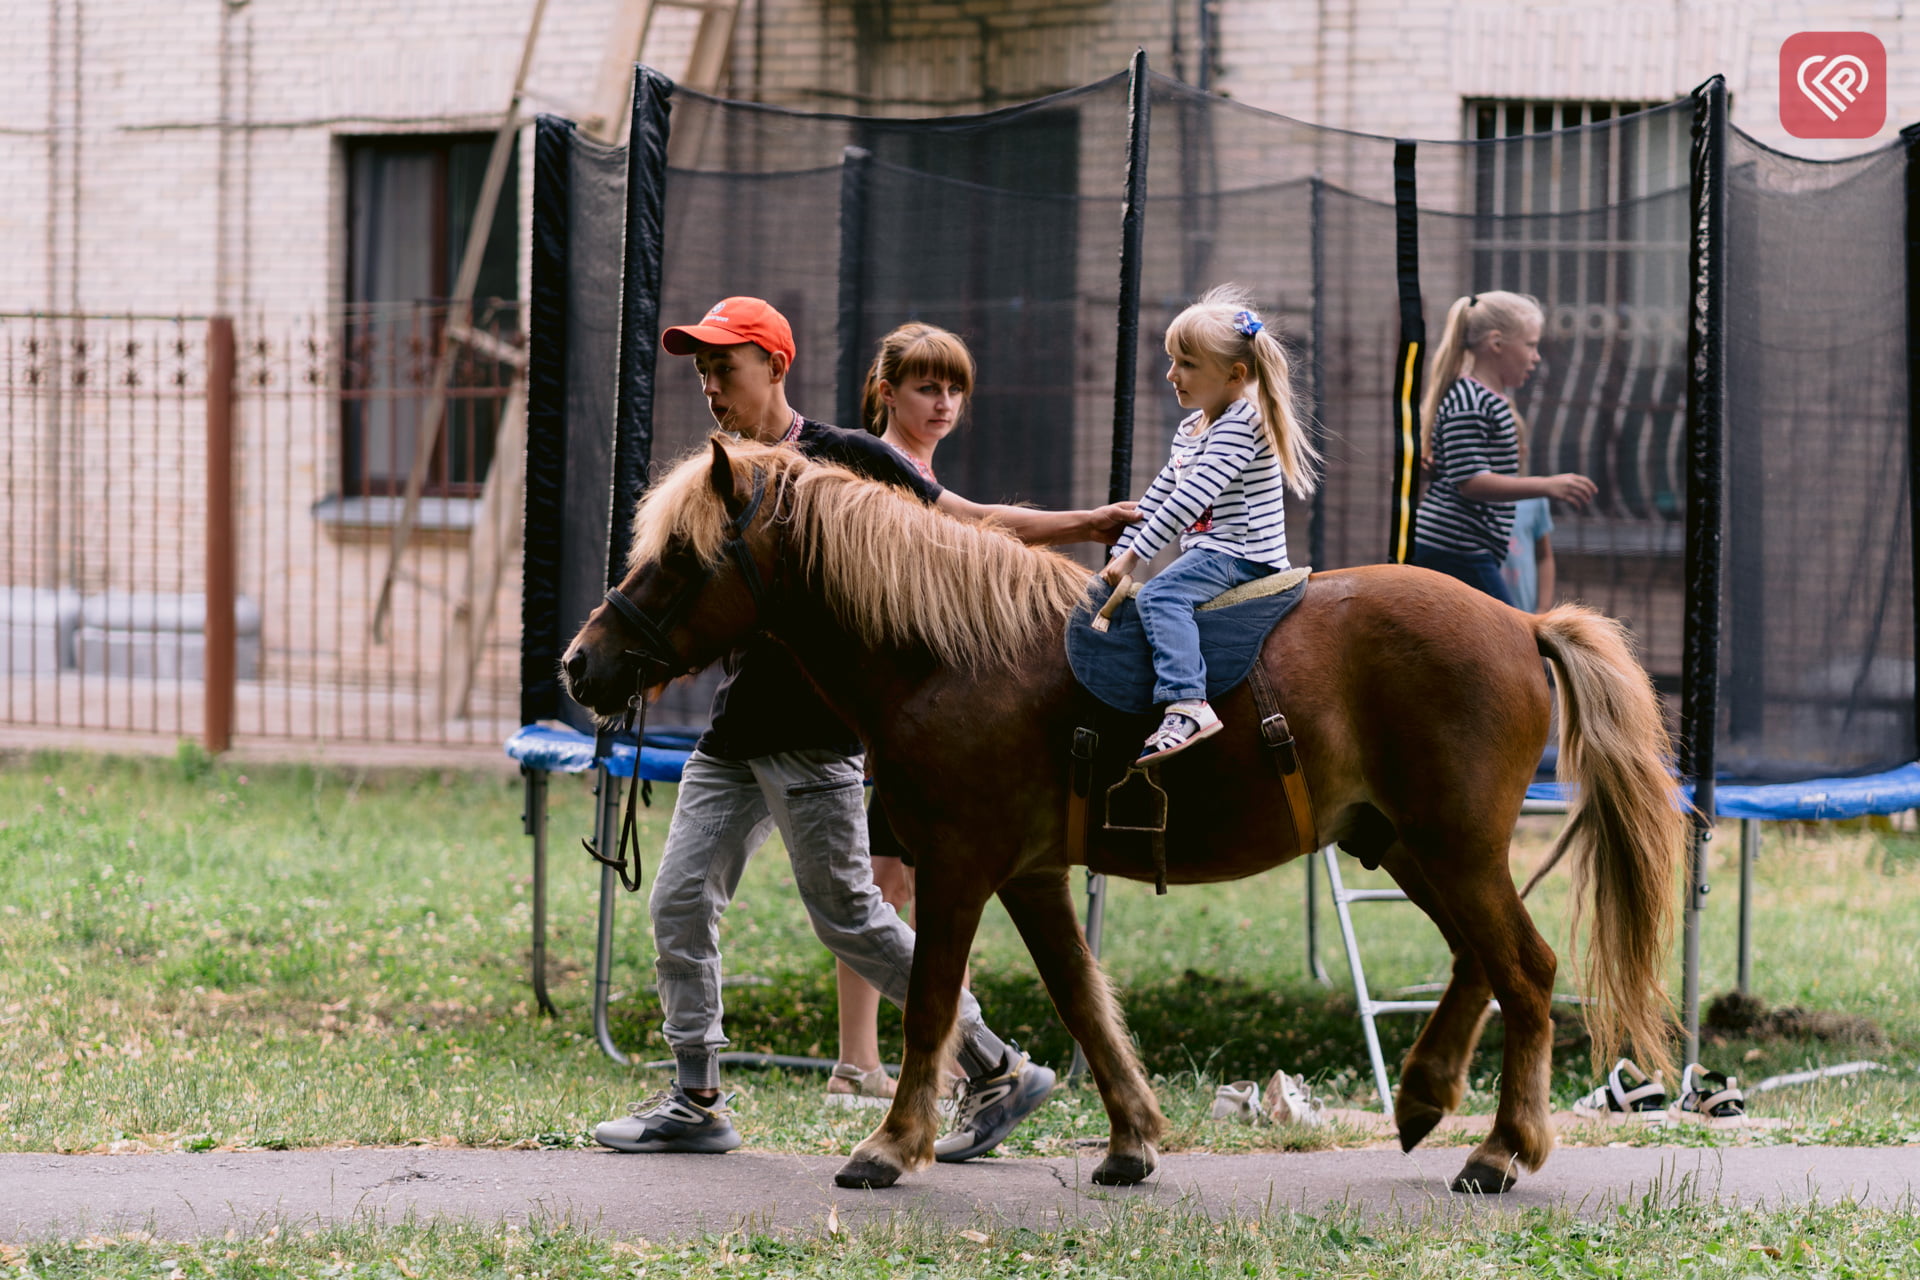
(121, 433)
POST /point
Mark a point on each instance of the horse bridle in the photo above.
(656, 648)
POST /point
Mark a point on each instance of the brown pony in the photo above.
(1420, 707)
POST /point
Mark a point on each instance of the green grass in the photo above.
(1659, 1237)
(202, 957)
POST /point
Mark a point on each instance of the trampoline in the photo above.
(1753, 430)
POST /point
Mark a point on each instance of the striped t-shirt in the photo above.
(1473, 431)
(1222, 490)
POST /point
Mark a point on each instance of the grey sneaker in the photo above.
(671, 1121)
(991, 1106)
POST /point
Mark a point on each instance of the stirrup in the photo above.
(1173, 735)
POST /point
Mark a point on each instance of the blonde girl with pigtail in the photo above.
(1470, 443)
(1222, 494)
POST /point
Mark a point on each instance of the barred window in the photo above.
(410, 204)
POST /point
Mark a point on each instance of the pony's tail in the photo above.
(1625, 831)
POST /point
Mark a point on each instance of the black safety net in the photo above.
(1007, 229)
(1817, 644)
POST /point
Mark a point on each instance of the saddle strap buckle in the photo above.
(1279, 740)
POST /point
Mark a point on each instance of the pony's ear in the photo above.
(722, 478)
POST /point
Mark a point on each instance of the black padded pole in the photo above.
(1317, 372)
(541, 546)
(1706, 405)
(1132, 248)
(1410, 361)
(1911, 134)
(854, 168)
(639, 307)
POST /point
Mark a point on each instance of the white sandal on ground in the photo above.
(1185, 724)
(1237, 1103)
(849, 1086)
(1628, 1094)
(1709, 1098)
(1288, 1101)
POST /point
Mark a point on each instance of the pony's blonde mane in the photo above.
(892, 570)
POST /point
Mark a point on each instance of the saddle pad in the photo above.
(1116, 666)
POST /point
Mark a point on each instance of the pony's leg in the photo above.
(1433, 1078)
(904, 1140)
(1042, 908)
(1472, 882)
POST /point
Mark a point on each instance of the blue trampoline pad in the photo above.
(1815, 800)
(561, 750)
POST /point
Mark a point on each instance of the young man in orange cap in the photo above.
(776, 756)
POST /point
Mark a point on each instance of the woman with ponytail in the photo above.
(1471, 445)
(1222, 494)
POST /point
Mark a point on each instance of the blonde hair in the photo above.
(1470, 321)
(1215, 327)
(914, 350)
(891, 569)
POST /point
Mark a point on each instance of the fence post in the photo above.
(218, 668)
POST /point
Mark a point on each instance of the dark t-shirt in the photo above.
(766, 704)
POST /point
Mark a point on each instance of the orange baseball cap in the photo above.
(730, 321)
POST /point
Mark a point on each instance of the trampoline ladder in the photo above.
(1370, 1008)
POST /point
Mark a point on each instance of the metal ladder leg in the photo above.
(606, 834)
(535, 822)
(1364, 998)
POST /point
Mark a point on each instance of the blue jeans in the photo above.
(1478, 569)
(1166, 605)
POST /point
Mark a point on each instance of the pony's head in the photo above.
(699, 577)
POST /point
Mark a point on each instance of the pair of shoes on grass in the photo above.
(988, 1108)
(1706, 1097)
(1286, 1101)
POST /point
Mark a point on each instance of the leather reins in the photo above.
(657, 649)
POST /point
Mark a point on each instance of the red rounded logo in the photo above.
(1833, 84)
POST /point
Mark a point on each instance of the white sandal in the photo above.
(1288, 1101)
(849, 1086)
(1709, 1098)
(1185, 724)
(1628, 1094)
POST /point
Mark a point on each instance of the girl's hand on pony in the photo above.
(1119, 567)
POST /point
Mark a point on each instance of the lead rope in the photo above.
(641, 791)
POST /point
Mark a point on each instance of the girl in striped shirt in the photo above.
(1470, 441)
(1222, 493)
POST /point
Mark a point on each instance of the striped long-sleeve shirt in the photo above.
(1222, 489)
(1473, 432)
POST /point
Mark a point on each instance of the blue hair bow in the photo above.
(1247, 323)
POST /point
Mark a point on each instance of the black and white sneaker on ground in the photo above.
(1628, 1094)
(991, 1106)
(671, 1121)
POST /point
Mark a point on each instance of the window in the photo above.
(1587, 210)
(410, 206)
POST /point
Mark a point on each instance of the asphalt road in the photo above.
(663, 1197)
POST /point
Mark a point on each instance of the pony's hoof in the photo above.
(1125, 1171)
(1415, 1122)
(864, 1175)
(1480, 1178)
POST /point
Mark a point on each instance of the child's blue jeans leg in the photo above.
(1166, 606)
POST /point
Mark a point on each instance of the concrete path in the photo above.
(668, 1197)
